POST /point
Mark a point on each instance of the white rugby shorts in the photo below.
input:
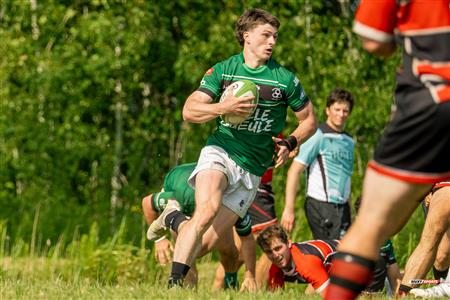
(242, 185)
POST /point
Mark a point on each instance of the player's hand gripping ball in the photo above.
(240, 88)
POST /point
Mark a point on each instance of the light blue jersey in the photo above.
(328, 156)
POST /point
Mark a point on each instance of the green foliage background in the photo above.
(91, 93)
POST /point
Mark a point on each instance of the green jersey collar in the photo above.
(253, 70)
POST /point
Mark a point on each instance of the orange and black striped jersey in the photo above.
(422, 27)
(312, 261)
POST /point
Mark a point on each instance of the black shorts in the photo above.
(415, 146)
(262, 210)
(327, 220)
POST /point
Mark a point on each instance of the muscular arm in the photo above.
(307, 123)
(163, 247)
(317, 275)
(378, 48)
(292, 181)
(249, 258)
(307, 126)
(150, 213)
(199, 109)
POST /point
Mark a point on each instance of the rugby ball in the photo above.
(240, 88)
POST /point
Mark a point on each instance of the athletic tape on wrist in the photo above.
(290, 142)
(404, 289)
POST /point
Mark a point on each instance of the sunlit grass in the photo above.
(49, 278)
(40, 278)
(32, 282)
(86, 268)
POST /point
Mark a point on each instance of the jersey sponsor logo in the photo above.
(342, 155)
(259, 122)
(276, 94)
(203, 82)
(209, 72)
(271, 93)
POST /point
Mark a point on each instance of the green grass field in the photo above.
(46, 278)
(86, 268)
(41, 278)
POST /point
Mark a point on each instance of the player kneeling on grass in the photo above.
(171, 208)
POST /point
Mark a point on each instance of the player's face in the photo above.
(279, 253)
(338, 114)
(261, 40)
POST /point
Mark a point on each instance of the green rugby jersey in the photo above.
(176, 181)
(250, 143)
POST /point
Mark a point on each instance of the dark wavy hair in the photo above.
(340, 95)
(271, 233)
(250, 19)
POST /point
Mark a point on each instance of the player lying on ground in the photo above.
(306, 262)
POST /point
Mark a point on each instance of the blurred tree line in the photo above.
(91, 93)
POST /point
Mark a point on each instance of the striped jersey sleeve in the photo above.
(376, 20)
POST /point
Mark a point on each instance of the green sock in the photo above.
(230, 280)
